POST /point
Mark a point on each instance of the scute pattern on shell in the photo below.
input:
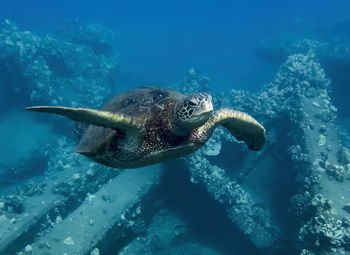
(154, 107)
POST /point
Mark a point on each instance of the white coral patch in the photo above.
(321, 140)
(68, 241)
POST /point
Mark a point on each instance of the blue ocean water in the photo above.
(285, 63)
(220, 38)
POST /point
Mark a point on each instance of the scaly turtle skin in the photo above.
(148, 125)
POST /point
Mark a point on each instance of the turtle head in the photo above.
(192, 112)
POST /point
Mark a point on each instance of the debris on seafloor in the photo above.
(76, 235)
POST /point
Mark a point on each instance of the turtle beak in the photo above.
(206, 109)
(207, 105)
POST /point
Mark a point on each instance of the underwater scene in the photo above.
(174, 127)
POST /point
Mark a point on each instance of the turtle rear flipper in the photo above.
(94, 117)
(241, 125)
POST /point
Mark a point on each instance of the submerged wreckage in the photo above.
(292, 197)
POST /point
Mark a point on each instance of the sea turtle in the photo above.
(148, 125)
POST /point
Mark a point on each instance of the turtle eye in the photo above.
(191, 103)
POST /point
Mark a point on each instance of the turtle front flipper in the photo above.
(94, 117)
(241, 125)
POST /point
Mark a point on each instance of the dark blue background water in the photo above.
(160, 40)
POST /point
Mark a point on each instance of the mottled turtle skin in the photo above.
(148, 125)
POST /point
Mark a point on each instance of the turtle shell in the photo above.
(153, 106)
